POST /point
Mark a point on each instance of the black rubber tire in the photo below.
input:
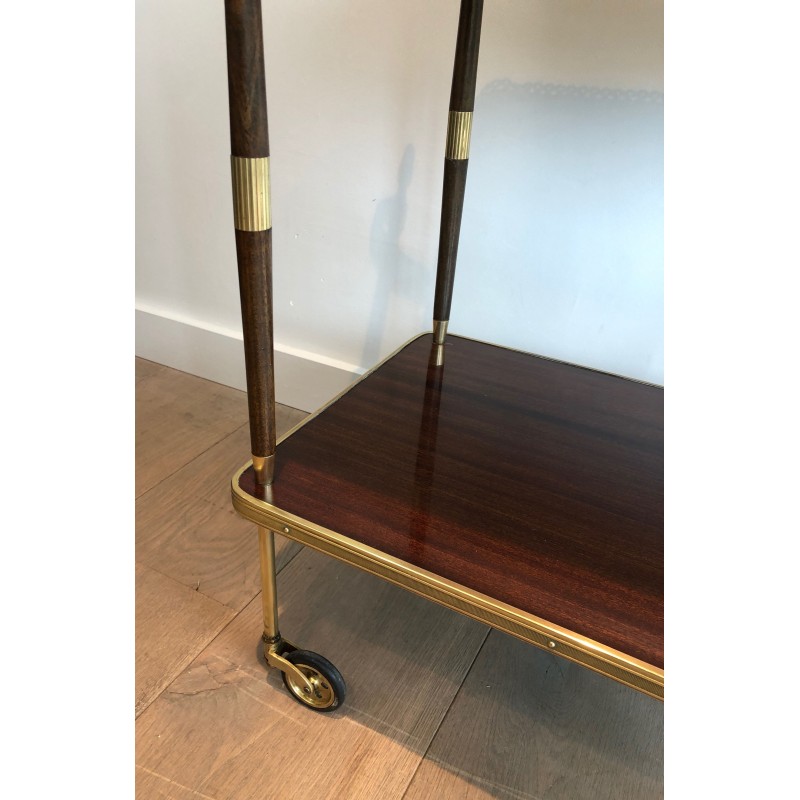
(329, 673)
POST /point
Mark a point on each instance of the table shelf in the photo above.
(522, 491)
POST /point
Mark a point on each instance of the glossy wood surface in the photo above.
(254, 258)
(246, 82)
(462, 98)
(465, 71)
(540, 483)
(453, 189)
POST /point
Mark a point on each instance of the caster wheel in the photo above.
(328, 683)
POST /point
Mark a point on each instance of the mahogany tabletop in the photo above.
(534, 482)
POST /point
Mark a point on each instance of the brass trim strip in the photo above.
(251, 194)
(528, 627)
(459, 130)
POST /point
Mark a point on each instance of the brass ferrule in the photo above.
(437, 355)
(264, 467)
(251, 200)
(439, 331)
(459, 130)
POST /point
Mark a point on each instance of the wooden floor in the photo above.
(438, 705)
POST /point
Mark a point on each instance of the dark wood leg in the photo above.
(252, 221)
(459, 128)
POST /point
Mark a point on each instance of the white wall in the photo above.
(562, 239)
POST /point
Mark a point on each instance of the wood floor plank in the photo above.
(153, 786)
(226, 729)
(173, 624)
(529, 725)
(187, 528)
(147, 369)
(179, 416)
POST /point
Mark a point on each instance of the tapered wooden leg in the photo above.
(459, 129)
(252, 221)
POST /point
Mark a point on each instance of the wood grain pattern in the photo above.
(187, 535)
(147, 369)
(186, 527)
(173, 624)
(462, 98)
(225, 729)
(454, 187)
(254, 258)
(529, 725)
(178, 417)
(246, 81)
(544, 490)
(465, 69)
(247, 98)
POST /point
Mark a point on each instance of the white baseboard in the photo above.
(303, 380)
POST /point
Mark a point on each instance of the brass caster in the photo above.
(324, 688)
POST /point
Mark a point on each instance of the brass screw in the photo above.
(552, 644)
(286, 530)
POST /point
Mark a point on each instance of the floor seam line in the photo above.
(190, 461)
(444, 716)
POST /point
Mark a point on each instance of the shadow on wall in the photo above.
(397, 274)
(561, 248)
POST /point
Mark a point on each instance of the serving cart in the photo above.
(524, 492)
